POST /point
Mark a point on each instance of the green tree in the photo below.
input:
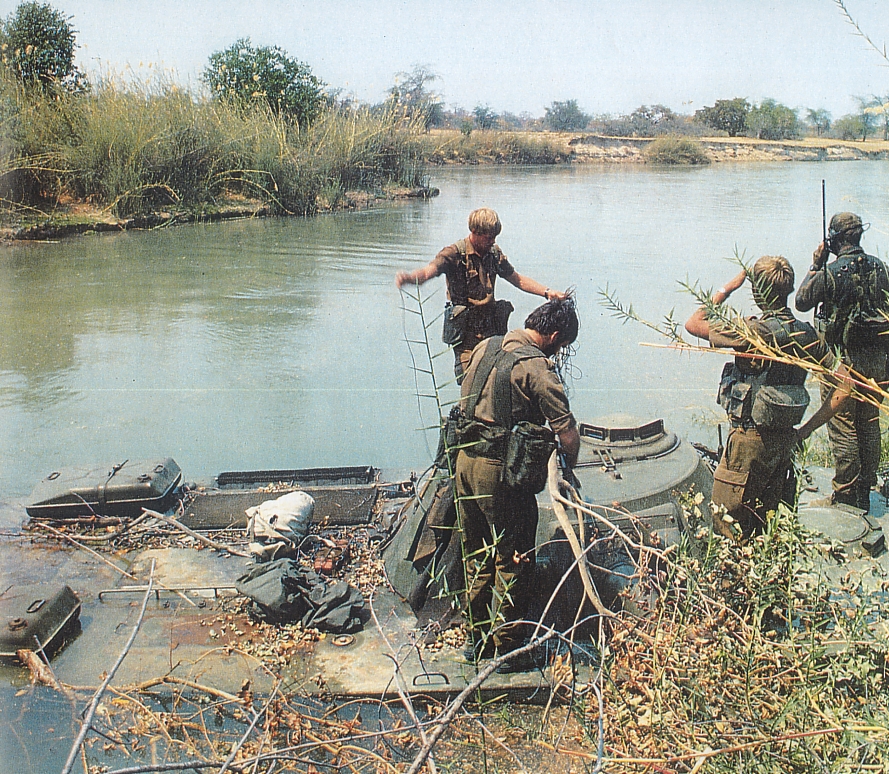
(268, 76)
(820, 120)
(38, 44)
(565, 116)
(770, 120)
(878, 108)
(412, 97)
(726, 115)
(485, 118)
(854, 126)
(651, 120)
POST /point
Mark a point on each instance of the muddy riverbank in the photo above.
(74, 218)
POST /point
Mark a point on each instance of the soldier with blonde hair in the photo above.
(471, 267)
(765, 398)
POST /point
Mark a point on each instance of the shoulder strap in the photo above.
(482, 372)
(503, 381)
(504, 362)
(778, 329)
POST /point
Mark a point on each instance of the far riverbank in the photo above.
(446, 148)
(623, 150)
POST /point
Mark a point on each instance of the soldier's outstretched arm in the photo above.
(418, 276)
(533, 287)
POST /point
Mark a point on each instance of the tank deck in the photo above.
(208, 642)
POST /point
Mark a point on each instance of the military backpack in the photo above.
(772, 395)
(853, 319)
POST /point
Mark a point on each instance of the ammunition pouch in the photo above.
(449, 440)
(484, 321)
(454, 327)
(528, 450)
(752, 402)
(502, 310)
(781, 405)
(478, 439)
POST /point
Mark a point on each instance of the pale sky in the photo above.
(518, 55)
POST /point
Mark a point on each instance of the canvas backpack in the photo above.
(773, 396)
(854, 320)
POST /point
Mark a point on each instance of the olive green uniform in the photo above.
(755, 472)
(500, 524)
(470, 280)
(854, 431)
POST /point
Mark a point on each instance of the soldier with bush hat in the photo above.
(471, 267)
(852, 299)
(765, 398)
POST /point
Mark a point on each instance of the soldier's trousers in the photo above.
(854, 434)
(499, 532)
(753, 476)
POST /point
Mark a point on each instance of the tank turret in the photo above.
(631, 473)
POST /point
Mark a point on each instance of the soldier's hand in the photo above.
(820, 256)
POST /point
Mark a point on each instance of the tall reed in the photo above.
(141, 145)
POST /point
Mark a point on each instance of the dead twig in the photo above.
(196, 535)
(94, 704)
(40, 671)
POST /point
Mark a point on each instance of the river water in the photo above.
(282, 343)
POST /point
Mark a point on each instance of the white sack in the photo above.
(287, 517)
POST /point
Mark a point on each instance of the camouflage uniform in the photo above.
(495, 515)
(755, 472)
(854, 432)
(470, 280)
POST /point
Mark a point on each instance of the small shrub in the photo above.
(676, 150)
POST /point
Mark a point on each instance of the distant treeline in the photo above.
(262, 127)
